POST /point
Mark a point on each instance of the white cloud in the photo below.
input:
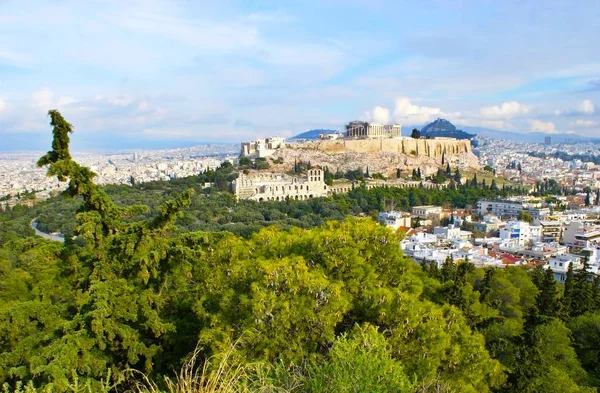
(63, 101)
(584, 123)
(409, 113)
(3, 105)
(500, 125)
(42, 100)
(379, 115)
(507, 110)
(586, 107)
(543, 126)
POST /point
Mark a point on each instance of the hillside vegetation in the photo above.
(334, 308)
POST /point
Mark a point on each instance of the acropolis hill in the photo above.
(380, 155)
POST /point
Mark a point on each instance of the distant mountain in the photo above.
(443, 128)
(311, 134)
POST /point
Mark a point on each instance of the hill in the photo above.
(312, 135)
(443, 128)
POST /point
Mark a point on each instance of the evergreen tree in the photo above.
(474, 183)
(494, 186)
(457, 175)
(398, 173)
(419, 174)
(583, 294)
(485, 285)
(448, 170)
(443, 158)
(547, 300)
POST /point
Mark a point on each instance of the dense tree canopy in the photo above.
(335, 299)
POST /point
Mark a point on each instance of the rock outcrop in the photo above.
(381, 155)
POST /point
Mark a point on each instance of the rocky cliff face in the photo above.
(383, 155)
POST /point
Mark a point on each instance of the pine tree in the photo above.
(443, 158)
(569, 289)
(583, 294)
(485, 286)
(419, 173)
(547, 300)
(474, 183)
(448, 170)
(398, 173)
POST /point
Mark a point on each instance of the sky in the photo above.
(132, 73)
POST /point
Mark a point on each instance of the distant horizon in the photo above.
(165, 72)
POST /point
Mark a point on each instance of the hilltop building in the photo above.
(262, 147)
(361, 129)
(280, 187)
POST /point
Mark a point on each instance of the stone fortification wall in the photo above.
(408, 146)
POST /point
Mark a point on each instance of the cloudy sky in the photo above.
(184, 71)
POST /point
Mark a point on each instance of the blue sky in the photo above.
(173, 72)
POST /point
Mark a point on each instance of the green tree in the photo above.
(416, 134)
(547, 301)
(583, 297)
(525, 216)
(586, 341)
(366, 350)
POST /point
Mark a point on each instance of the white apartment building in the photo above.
(427, 212)
(452, 232)
(521, 233)
(511, 209)
(395, 219)
(581, 234)
(551, 230)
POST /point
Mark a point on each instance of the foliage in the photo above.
(305, 303)
(366, 350)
